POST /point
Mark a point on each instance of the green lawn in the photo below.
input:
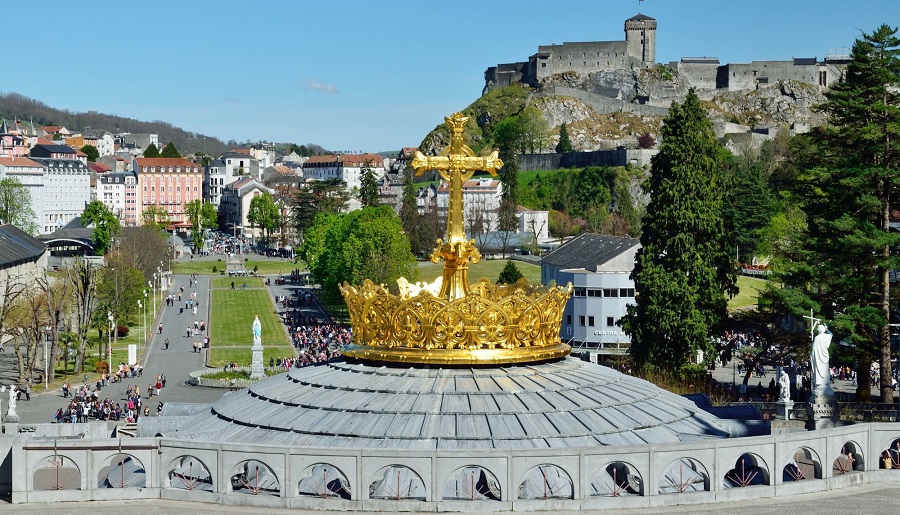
(264, 267)
(749, 292)
(224, 283)
(231, 320)
(491, 269)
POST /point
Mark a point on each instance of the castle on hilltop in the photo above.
(638, 50)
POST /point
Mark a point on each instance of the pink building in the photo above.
(169, 184)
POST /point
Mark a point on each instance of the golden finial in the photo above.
(488, 325)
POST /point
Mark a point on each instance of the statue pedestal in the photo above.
(12, 424)
(257, 370)
(784, 408)
(822, 412)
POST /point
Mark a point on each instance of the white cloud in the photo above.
(321, 87)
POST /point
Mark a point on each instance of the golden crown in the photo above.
(491, 324)
(451, 322)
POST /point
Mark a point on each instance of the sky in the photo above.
(362, 75)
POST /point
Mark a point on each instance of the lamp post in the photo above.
(46, 361)
(109, 339)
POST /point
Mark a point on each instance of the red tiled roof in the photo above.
(50, 129)
(98, 167)
(347, 159)
(166, 161)
(19, 161)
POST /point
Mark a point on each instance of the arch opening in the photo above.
(397, 482)
(684, 475)
(805, 465)
(749, 470)
(324, 481)
(472, 483)
(617, 479)
(850, 460)
(189, 473)
(546, 482)
(122, 471)
(56, 473)
(255, 478)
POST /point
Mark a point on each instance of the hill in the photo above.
(17, 106)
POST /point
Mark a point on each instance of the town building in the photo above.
(168, 183)
(31, 175)
(22, 258)
(118, 191)
(12, 143)
(346, 167)
(53, 151)
(599, 268)
(481, 203)
(235, 205)
(66, 185)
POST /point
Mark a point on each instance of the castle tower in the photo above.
(640, 38)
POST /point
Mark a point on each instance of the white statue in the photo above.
(821, 373)
(11, 411)
(257, 330)
(785, 383)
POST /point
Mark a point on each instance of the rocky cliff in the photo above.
(607, 109)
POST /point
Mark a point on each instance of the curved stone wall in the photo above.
(484, 480)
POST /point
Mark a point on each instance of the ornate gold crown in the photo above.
(458, 324)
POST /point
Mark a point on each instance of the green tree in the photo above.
(848, 193)
(169, 151)
(365, 244)
(510, 274)
(151, 151)
(15, 205)
(565, 144)
(535, 130)
(368, 189)
(508, 136)
(202, 216)
(264, 213)
(683, 270)
(750, 203)
(409, 213)
(91, 151)
(106, 225)
(328, 196)
(154, 216)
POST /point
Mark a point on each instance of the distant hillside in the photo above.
(16, 106)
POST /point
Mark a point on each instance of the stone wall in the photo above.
(603, 104)
(703, 471)
(617, 157)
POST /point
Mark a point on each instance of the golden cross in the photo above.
(456, 164)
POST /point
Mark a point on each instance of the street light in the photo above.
(46, 343)
(109, 339)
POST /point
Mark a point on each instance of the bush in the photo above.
(255, 268)
(101, 366)
(122, 331)
(215, 270)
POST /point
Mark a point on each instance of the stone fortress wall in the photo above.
(639, 51)
(75, 468)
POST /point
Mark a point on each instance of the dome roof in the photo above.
(566, 403)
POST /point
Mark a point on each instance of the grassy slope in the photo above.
(491, 269)
(749, 292)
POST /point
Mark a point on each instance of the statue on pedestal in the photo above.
(11, 410)
(256, 352)
(818, 359)
(257, 330)
(784, 382)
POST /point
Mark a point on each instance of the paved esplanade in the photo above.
(176, 362)
(878, 498)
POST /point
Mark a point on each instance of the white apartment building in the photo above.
(66, 191)
(346, 167)
(31, 175)
(118, 191)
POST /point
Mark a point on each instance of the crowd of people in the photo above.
(86, 404)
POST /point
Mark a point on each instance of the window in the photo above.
(568, 319)
(591, 321)
(595, 293)
(580, 292)
(626, 292)
(610, 292)
(581, 320)
(610, 322)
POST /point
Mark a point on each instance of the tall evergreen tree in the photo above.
(683, 270)
(848, 192)
(169, 151)
(565, 144)
(409, 212)
(151, 151)
(368, 186)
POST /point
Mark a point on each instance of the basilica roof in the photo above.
(567, 403)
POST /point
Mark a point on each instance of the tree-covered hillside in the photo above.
(16, 106)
